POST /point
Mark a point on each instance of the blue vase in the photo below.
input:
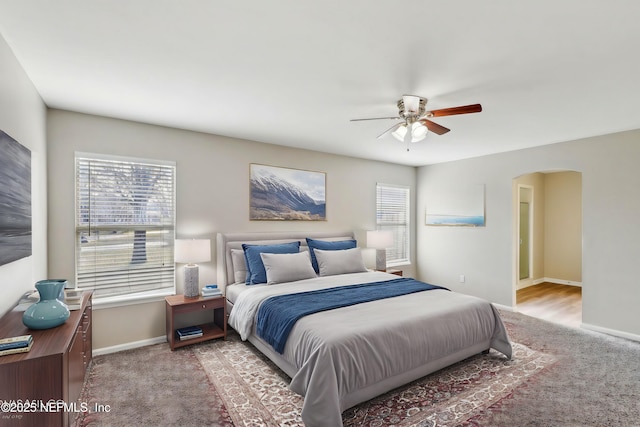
(49, 312)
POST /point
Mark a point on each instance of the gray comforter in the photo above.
(348, 355)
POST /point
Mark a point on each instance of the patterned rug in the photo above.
(255, 392)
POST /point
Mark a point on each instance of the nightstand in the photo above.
(394, 271)
(178, 304)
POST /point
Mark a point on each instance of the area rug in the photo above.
(255, 392)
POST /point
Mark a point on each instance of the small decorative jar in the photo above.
(49, 312)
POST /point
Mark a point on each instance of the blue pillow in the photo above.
(256, 272)
(324, 245)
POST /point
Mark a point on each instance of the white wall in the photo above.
(212, 195)
(610, 201)
(23, 117)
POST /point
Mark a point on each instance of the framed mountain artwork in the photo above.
(15, 200)
(284, 194)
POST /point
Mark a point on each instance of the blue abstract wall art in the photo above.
(15, 200)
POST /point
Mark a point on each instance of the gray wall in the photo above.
(23, 117)
(563, 231)
(212, 196)
(610, 206)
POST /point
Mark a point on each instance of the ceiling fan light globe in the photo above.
(400, 132)
(418, 132)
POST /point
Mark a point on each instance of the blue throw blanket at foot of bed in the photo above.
(278, 314)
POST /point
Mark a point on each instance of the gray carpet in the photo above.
(594, 381)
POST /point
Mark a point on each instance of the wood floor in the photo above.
(556, 303)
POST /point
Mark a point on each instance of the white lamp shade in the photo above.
(418, 132)
(417, 129)
(400, 132)
(379, 239)
(191, 251)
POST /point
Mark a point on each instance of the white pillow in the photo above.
(239, 266)
(282, 268)
(339, 262)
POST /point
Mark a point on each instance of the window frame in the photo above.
(138, 296)
(386, 225)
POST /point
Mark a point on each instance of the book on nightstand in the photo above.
(189, 332)
(211, 291)
(190, 337)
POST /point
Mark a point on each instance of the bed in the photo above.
(340, 357)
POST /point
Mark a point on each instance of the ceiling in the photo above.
(294, 72)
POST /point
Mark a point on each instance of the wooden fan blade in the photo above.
(375, 118)
(434, 127)
(465, 109)
(388, 131)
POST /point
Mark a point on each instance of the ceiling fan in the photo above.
(415, 119)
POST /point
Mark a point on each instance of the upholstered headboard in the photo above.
(228, 241)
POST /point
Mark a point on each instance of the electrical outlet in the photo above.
(462, 278)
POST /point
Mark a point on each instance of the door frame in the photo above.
(521, 283)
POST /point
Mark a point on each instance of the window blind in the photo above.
(125, 222)
(392, 213)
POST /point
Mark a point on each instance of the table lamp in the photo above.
(380, 240)
(191, 251)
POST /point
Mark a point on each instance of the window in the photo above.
(392, 213)
(125, 221)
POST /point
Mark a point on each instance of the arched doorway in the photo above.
(548, 246)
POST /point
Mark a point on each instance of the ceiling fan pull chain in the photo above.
(408, 135)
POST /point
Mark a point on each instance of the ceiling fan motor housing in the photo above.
(411, 107)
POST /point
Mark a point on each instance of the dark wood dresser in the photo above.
(52, 371)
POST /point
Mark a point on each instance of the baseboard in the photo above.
(561, 281)
(129, 346)
(614, 332)
(524, 283)
(550, 280)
